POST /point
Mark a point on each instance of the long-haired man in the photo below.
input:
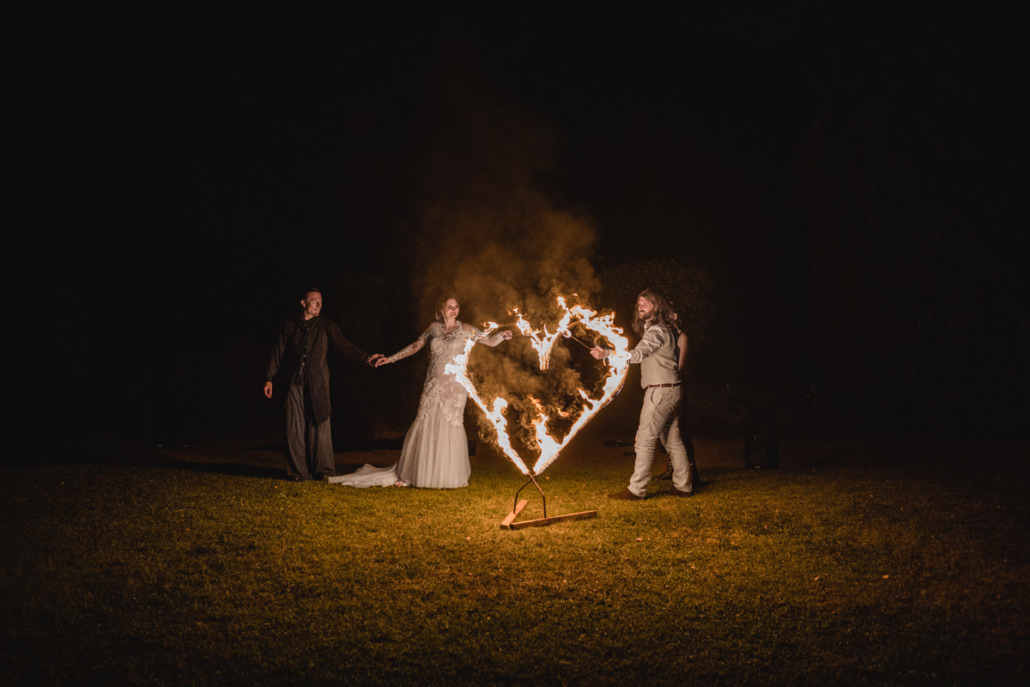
(658, 357)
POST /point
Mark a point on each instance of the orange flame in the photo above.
(459, 368)
(543, 341)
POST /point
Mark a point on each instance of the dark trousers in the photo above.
(309, 446)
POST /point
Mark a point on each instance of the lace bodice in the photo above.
(441, 388)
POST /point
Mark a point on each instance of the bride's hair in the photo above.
(442, 303)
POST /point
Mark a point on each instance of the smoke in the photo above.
(491, 234)
(488, 229)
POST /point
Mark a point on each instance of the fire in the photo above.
(543, 341)
(459, 368)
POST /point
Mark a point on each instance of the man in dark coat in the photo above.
(299, 360)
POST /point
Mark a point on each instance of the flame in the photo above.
(543, 341)
(459, 368)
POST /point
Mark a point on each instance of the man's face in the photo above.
(312, 304)
(645, 308)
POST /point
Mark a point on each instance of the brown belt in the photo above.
(659, 386)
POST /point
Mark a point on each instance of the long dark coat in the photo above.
(299, 357)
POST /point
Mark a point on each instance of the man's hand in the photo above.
(373, 360)
(268, 389)
(599, 352)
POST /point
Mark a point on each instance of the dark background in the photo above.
(850, 180)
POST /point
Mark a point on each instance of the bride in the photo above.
(435, 451)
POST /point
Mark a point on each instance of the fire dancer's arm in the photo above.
(653, 339)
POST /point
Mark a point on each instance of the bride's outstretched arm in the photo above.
(410, 349)
(495, 338)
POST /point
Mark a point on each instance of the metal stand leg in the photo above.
(537, 485)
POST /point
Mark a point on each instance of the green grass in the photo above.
(851, 564)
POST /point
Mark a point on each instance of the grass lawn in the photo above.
(859, 563)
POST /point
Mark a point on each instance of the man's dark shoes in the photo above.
(625, 495)
(676, 492)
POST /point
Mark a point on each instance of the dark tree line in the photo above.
(909, 179)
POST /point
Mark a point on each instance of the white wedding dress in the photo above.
(435, 452)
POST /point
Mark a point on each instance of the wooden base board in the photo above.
(509, 520)
(506, 523)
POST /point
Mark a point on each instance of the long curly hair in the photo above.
(662, 313)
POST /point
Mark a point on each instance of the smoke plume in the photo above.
(490, 234)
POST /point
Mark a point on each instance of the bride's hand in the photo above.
(506, 335)
(382, 361)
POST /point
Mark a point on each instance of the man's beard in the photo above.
(640, 324)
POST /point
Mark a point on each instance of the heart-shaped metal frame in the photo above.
(543, 341)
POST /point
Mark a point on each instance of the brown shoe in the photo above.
(625, 495)
(676, 492)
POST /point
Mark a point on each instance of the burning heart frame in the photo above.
(543, 341)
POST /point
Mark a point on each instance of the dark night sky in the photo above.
(193, 167)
